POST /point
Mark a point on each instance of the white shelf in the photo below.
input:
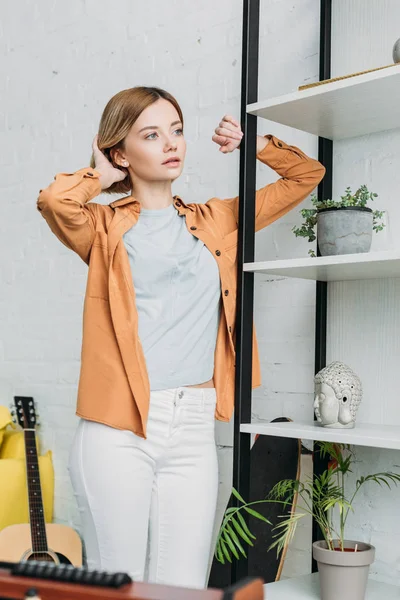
(307, 588)
(342, 109)
(374, 436)
(368, 265)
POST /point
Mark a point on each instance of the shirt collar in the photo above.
(179, 204)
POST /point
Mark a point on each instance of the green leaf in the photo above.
(237, 495)
(231, 510)
(235, 539)
(241, 532)
(231, 544)
(286, 529)
(225, 551)
(244, 525)
(256, 514)
(219, 554)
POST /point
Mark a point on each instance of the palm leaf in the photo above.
(230, 544)
(256, 514)
(219, 554)
(237, 495)
(285, 532)
(235, 539)
(242, 533)
(244, 525)
(380, 478)
(225, 550)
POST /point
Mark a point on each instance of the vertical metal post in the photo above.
(325, 156)
(245, 281)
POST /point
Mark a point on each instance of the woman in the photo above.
(158, 334)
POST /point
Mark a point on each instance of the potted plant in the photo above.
(343, 565)
(345, 226)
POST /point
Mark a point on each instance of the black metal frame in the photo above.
(245, 280)
(246, 240)
(325, 156)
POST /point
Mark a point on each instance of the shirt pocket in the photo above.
(101, 240)
(97, 282)
(230, 245)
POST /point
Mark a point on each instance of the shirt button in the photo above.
(218, 252)
(193, 228)
(226, 292)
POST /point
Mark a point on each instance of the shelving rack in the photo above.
(335, 110)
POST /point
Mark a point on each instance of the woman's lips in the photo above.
(172, 163)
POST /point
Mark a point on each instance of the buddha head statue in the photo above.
(338, 393)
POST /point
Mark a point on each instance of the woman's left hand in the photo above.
(228, 134)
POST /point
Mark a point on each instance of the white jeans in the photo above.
(160, 491)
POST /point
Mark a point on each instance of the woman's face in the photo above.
(156, 136)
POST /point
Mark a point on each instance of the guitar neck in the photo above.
(36, 510)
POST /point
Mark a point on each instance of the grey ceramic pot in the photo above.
(396, 51)
(345, 230)
(343, 575)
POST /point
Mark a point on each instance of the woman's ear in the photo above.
(118, 158)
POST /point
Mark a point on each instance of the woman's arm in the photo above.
(299, 173)
(228, 136)
(299, 176)
(262, 142)
(63, 206)
(64, 203)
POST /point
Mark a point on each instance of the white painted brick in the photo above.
(69, 74)
(194, 52)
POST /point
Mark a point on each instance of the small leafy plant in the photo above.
(360, 198)
(318, 497)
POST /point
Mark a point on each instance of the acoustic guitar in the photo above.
(38, 540)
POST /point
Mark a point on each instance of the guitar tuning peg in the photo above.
(11, 405)
(12, 413)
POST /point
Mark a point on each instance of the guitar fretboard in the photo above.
(36, 511)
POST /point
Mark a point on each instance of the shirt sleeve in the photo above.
(63, 204)
(299, 176)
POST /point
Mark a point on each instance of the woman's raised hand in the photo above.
(109, 174)
(228, 134)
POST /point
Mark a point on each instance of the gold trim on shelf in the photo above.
(310, 85)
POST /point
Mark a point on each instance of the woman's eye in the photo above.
(151, 138)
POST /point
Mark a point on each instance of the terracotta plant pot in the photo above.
(343, 575)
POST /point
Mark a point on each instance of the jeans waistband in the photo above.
(187, 395)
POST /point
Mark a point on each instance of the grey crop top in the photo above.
(178, 293)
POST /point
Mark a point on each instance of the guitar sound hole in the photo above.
(42, 556)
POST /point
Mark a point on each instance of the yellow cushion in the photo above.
(13, 445)
(14, 493)
(5, 419)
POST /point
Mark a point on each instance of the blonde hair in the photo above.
(120, 113)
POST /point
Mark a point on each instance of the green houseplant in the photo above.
(326, 498)
(344, 226)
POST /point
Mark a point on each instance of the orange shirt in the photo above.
(114, 386)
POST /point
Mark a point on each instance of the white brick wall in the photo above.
(61, 62)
